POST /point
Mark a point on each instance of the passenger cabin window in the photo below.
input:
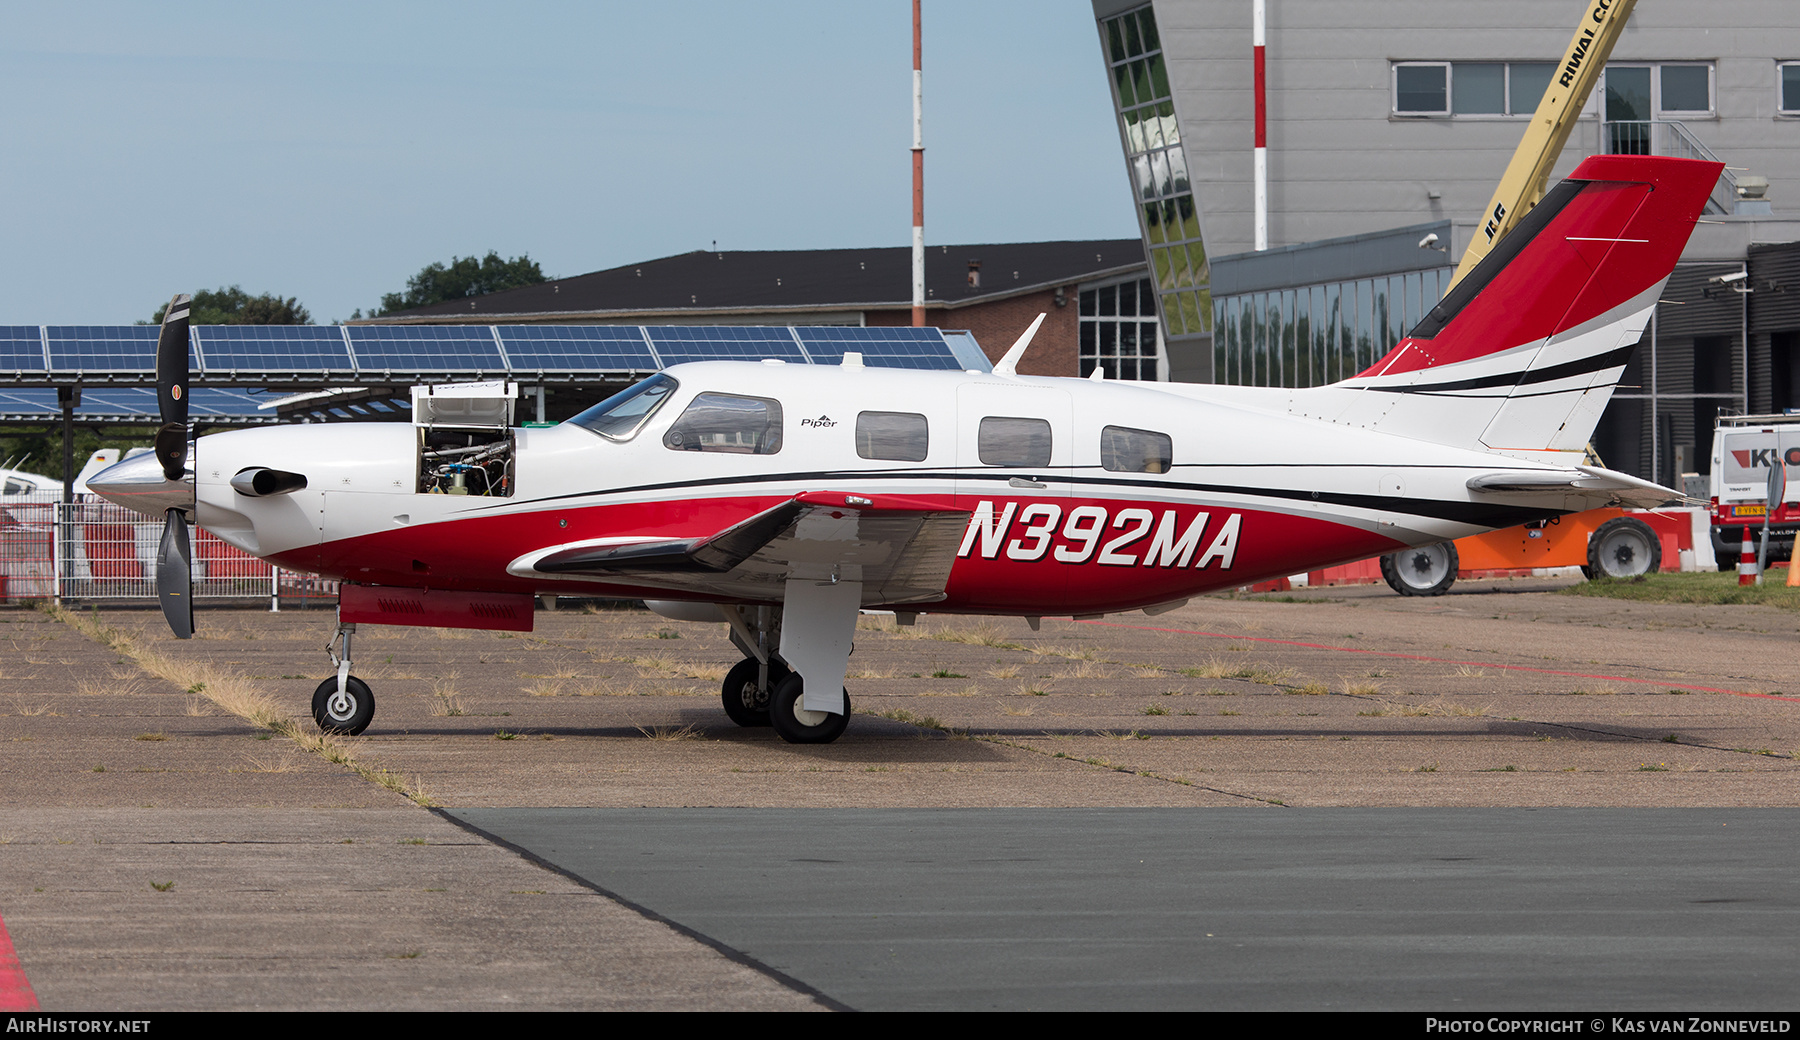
(1014, 442)
(621, 415)
(1125, 450)
(725, 422)
(894, 436)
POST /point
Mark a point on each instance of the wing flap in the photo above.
(901, 549)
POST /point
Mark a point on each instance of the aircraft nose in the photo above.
(138, 484)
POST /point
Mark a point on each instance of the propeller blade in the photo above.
(175, 575)
(172, 387)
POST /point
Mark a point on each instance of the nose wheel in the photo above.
(348, 710)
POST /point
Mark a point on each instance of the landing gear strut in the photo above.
(762, 690)
(343, 703)
(751, 682)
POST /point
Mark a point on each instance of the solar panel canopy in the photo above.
(324, 355)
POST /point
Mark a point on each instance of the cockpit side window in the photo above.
(726, 422)
(620, 416)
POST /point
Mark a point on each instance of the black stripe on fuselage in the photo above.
(1459, 512)
(1580, 366)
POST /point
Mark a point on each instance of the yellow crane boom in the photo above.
(1526, 176)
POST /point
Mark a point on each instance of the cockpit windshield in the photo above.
(621, 415)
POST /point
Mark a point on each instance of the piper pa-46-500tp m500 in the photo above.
(781, 499)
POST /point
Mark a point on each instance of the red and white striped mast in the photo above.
(918, 164)
(1258, 41)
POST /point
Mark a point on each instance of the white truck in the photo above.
(1744, 447)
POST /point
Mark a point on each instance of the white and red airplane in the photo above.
(783, 499)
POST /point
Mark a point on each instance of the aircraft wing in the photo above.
(900, 549)
(1602, 486)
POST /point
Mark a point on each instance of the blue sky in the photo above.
(330, 150)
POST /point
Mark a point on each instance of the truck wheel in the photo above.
(1624, 547)
(1429, 570)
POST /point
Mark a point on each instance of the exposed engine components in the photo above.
(465, 462)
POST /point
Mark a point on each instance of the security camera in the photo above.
(1727, 279)
(1428, 241)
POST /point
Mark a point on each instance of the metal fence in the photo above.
(94, 550)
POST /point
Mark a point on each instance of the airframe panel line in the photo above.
(730, 953)
(1444, 660)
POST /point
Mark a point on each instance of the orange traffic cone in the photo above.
(1793, 573)
(1746, 559)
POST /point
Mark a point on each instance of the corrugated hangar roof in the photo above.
(797, 279)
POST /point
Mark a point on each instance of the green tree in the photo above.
(462, 278)
(234, 306)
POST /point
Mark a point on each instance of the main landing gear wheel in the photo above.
(348, 712)
(795, 724)
(1624, 547)
(746, 701)
(1429, 570)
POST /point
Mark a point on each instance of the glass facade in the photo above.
(1159, 174)
(1318, 334)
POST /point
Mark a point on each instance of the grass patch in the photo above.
(237, 696)
(670, 732)
(1719, 588)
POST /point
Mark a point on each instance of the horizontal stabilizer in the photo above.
(1603, 486)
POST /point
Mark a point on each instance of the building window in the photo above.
(1160, 181)
(1667, 91)
(1470, 88)
(1119, 331)
(1787, 81)
(1645, 104)
(1421, 89)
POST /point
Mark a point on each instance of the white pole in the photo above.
(918, 173)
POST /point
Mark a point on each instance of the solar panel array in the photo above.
(326, 354)
(131, 402)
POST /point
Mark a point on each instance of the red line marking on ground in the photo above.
(1448, 660)
(15, 989)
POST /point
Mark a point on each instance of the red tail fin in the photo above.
(1522, 355)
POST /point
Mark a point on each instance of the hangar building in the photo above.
(1391, 121)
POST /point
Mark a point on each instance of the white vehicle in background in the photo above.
(1744, 447)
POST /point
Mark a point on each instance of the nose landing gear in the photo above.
(343, 703)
